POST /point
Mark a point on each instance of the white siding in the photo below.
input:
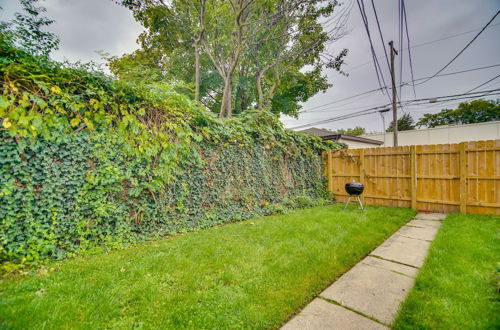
(357, 144)
(442, 134)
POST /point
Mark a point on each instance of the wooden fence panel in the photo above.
(446, 178)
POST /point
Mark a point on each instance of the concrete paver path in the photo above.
(369, 295)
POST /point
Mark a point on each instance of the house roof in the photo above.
(326, 134)
(318, 131)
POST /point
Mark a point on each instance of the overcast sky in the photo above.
(87, 26)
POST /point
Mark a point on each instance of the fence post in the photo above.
(362, 170)
(462, 147)
(329, 161)
(413, 176)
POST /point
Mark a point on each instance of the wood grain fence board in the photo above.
(463, 176)
(440, 178)
(413, 176)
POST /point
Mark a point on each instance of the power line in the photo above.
(462, 71)
(344, 99)
(450, 37)
(314, 109)
(489, 85)
(342, 117)
(463, 49)
(441, 104)
(448, 96)
(378, 70)
(409, 52)
(343, 108)
(483, 83)
(367, 111)
(381, 35)
(374, 110)
(433, 42)
(365, 23)
(377, 65)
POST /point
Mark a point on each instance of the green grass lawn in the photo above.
(251, 274)
(457, 286)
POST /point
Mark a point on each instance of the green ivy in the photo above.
(89, 163)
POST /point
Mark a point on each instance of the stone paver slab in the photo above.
(408, 251)
(425, 233)
(430, 216)
(320, 314)
(377, 285)
(370, 290)
(424, 223)
(392, 266)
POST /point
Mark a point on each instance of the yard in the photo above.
(135, 196)
(458, 285)
(250, 274)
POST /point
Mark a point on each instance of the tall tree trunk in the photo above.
(269, 97)
(226, 106)
(271, 90)
(260, 74)
(197, 71)
(197, 44)
(260, 94)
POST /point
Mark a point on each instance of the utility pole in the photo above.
(394, 107)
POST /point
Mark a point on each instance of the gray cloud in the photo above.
(87, 26)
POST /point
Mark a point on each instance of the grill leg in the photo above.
(348, 200)
(360, 204)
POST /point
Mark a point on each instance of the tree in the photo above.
(26, 30)
(405, 123)
(356, 131)
(178, 31)
(293, 38)
(477, 111)
(171, 41)
(243, 54)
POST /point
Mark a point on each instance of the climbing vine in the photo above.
(90, 163)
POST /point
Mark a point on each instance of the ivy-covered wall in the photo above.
(88, 162)
(76, 194)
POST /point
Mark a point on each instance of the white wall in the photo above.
(442, 134)
(357, 144)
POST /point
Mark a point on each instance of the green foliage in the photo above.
(26, 30)
(405, 123)
(356, 131)
(477, 111)
(295, 87)
(90, 163)
(282, 42)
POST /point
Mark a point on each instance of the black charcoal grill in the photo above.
(354, 189)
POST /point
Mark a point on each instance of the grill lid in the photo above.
(354, 188)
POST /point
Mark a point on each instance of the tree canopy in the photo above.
(477, 111)
(237, 55)
(356, 131)
(405, 123)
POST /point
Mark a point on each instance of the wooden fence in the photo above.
(446, 178)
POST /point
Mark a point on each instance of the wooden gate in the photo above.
(448, 178)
